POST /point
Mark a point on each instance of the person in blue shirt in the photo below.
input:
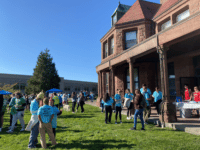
(118, 106)
(102, 105)
(34, 126)
(92, 96)
(45, 116)
(128, 98)
(56, 112)
(107, 101)
(144, 86)
(157, 95)
(147, 110)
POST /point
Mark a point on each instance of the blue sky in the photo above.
(71, 30)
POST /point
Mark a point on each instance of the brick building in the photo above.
(156, 44)
(67, 86)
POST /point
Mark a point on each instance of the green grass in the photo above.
(88, 131)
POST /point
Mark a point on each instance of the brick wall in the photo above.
(163, 1)
(194, 6)
(183, 67)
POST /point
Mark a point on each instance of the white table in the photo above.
(186, 108)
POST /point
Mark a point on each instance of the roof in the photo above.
(140, 10)
(121, 8)
(165, 6)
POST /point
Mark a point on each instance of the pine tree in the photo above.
(45, 75)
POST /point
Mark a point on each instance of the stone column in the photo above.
(169, 112)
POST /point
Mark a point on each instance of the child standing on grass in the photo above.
(118, 106)
(56, 113)
(107, 101)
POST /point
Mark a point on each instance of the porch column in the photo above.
(169, 109)
(99, 88)
(111, 82)
(130, 61)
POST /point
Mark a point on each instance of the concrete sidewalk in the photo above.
(188, 125)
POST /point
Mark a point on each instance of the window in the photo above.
(183, 15)
(166, 25)
(130, 39)
(67, 88)
(136, 78)
(86, 88)
(127, 79)
(114, 19)
(106, 50)
(112, 46)
(106, 81)
(94, 89)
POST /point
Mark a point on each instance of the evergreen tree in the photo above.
(45, 75)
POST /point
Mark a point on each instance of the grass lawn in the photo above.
(88, 131)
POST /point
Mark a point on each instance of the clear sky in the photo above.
(70, 29)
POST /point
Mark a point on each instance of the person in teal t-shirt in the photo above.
(107, 101)
(147, 110)
(118, 106)
(56, 113)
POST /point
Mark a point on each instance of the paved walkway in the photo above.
(189, 125)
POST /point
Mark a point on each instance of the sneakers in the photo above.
(142, 129)
(22, 130)
(146, 123)
(133, 128)
(128, 118)
(120, 121)
(115, 122)
(9, 131)
(0, 129)
(131, 118)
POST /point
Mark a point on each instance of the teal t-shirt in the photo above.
(45, 112)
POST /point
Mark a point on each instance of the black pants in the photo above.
(129, 109)
(82, 103)
(54, 132)
(118, 110)
(73, 106)
(1, 114)
(108, 109)
(77, 106)
(157, 105)
(57, 105)
(11, 116)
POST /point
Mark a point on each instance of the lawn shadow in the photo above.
(63, 129)
(77, 116)
(96, 145)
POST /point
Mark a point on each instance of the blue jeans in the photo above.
(33, 136)
(138, 112)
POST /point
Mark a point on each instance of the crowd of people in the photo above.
(44, 110)
(137, 103)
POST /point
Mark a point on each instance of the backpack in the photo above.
(143, 102)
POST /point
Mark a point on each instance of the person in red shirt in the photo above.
(187, 93)
(196, 94)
